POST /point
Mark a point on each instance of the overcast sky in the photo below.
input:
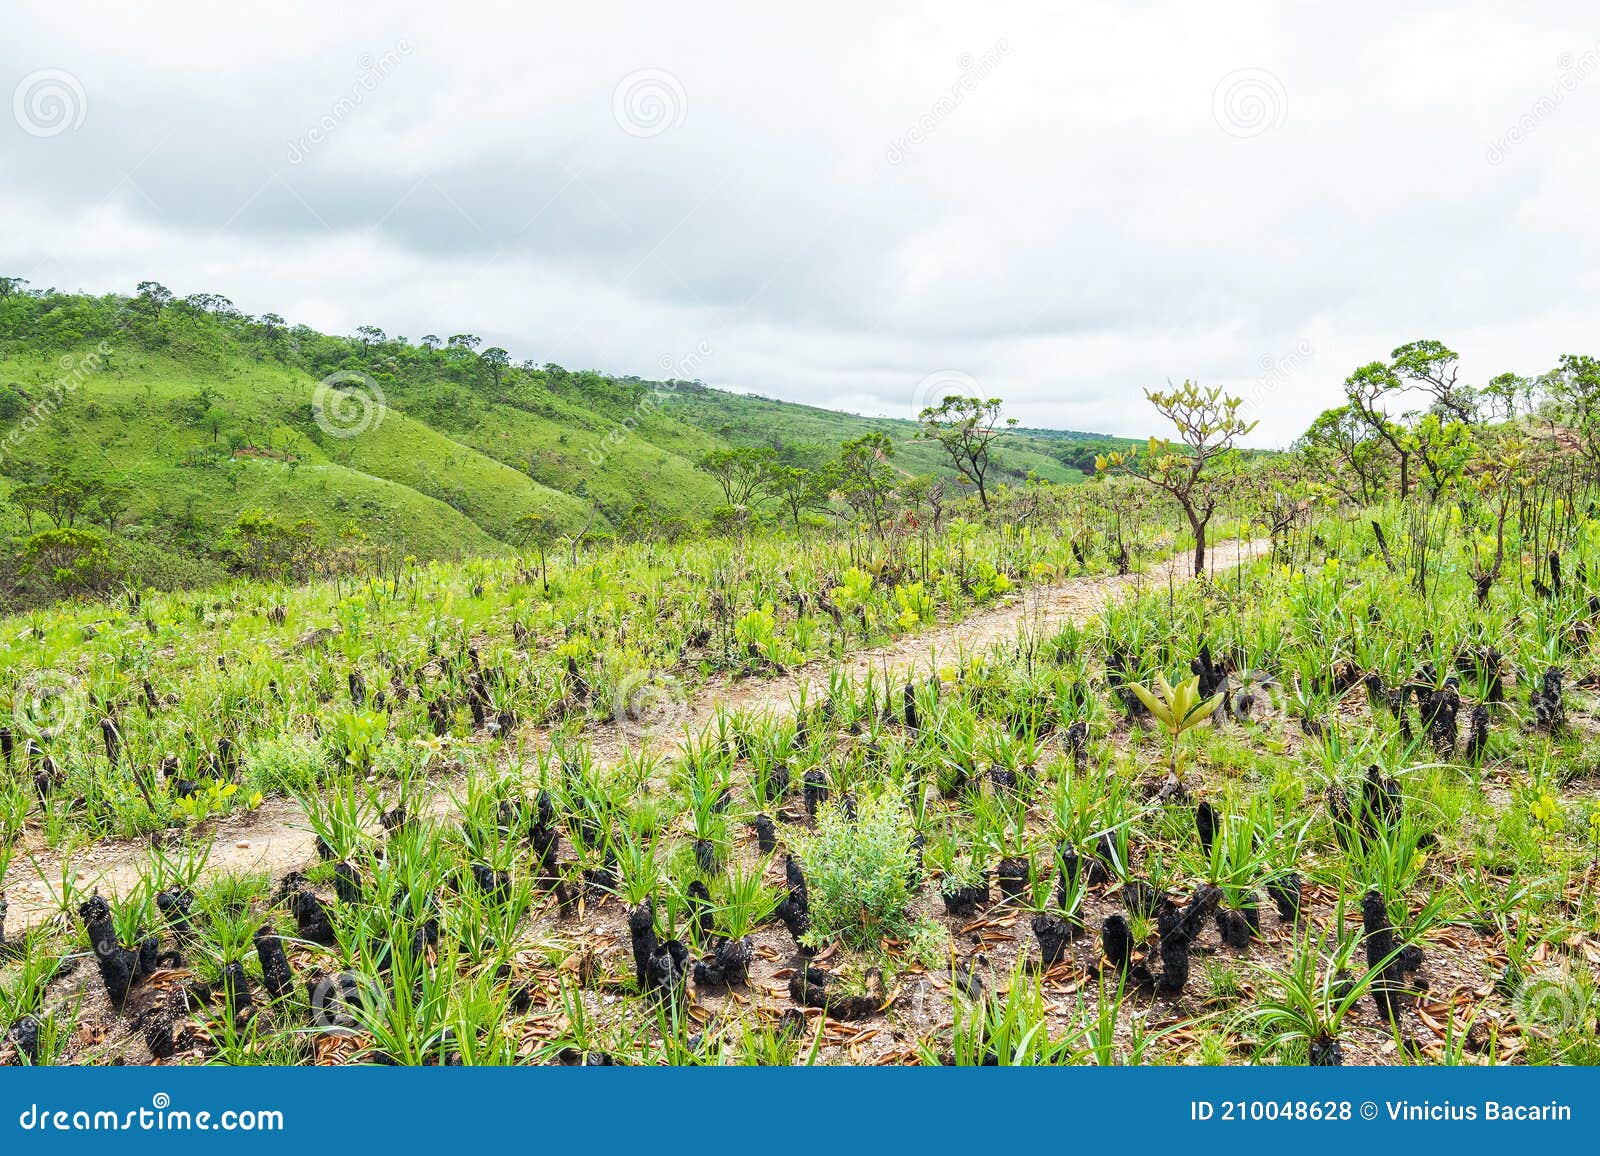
(832, 202)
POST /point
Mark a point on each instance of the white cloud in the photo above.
(1066, 222)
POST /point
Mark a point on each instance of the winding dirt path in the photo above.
(275, 838)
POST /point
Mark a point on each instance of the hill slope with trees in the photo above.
(164, 440)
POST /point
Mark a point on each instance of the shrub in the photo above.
(285, 763)
(859, 875)
(70, 557)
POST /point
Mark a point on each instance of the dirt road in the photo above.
(275, 838)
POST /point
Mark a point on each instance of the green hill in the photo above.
(746, 419)
(179, 417)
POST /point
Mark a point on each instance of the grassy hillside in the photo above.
(745, 419)
(184, 416)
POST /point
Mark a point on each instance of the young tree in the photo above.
(1351, 454)
(1208, 425)
(61, 498)
(1442, 444)
(925, 492)
(1574, 385)
(1366, 389)
(1431, 367)
(865, 477)
(370, 335)
(576, 540)
(741, 472)
(10, 285)
(497, 360)
(797, 488)
(967, 428)
(1507, 389)
(539, 532)
(112, 507)
(1495, 471)
(154, 297)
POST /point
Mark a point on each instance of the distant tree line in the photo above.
(1410, 423)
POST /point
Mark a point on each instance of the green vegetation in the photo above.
(194, 442)
(861, 867)
(1195, 473)
(529, 840)
(429, 653)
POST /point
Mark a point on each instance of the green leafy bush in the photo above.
(860, 875)
(352, 737)
(284, 764)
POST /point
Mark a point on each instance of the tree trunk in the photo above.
(1198, 525)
